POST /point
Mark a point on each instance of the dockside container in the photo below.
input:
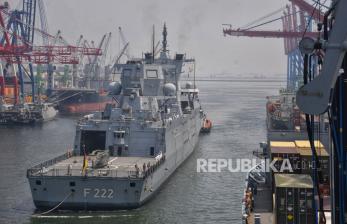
(293, 199)
(305, 151)
(285, 150)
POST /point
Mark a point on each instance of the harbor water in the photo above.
(237, 110)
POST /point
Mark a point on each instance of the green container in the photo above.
(294, 199)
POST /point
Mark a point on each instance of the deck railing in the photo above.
(33, 171)
(47, 169)
(66, 172)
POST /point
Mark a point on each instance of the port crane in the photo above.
(124, 51)
(17, 29)
(96, 64)
(77, 68)
(297, 22)
(125, 43)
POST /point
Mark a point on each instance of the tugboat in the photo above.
(122, 155)
(207, 126)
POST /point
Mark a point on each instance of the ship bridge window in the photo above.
(152, 74)
(93, 140)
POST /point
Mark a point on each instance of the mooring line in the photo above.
(55, 207)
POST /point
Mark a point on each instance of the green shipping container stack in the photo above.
(294, 198)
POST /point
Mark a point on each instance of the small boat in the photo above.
(206, 126)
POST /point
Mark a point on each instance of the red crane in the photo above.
(17, 28)
(25, 52)
(268, 34)
(316, 14)
(293, 31)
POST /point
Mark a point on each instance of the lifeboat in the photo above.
(206, 126)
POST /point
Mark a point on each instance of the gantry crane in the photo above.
(297, 22)
(17, 43)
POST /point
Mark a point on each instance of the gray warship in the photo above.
(124, 154)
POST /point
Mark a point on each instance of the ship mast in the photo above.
(153, 43)
(164, 43)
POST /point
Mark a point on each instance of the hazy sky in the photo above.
(194, 27)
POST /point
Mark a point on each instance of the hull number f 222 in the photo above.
(98, 193)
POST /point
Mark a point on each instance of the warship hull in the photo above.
(123, 191)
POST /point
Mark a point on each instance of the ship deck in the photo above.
(116, 167)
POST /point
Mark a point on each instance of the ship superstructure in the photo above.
(285, 121)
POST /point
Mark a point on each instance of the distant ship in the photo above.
(26, 113)
(21, 110)
(123, 154)
(80, 101)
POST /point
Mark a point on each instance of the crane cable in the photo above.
(310, 131)
(316, 3)
(262, 18)
(310, 18)
(271, 21)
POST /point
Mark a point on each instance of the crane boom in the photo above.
(124, 42)
(269, 34)
(116, 62)
(105, 49)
